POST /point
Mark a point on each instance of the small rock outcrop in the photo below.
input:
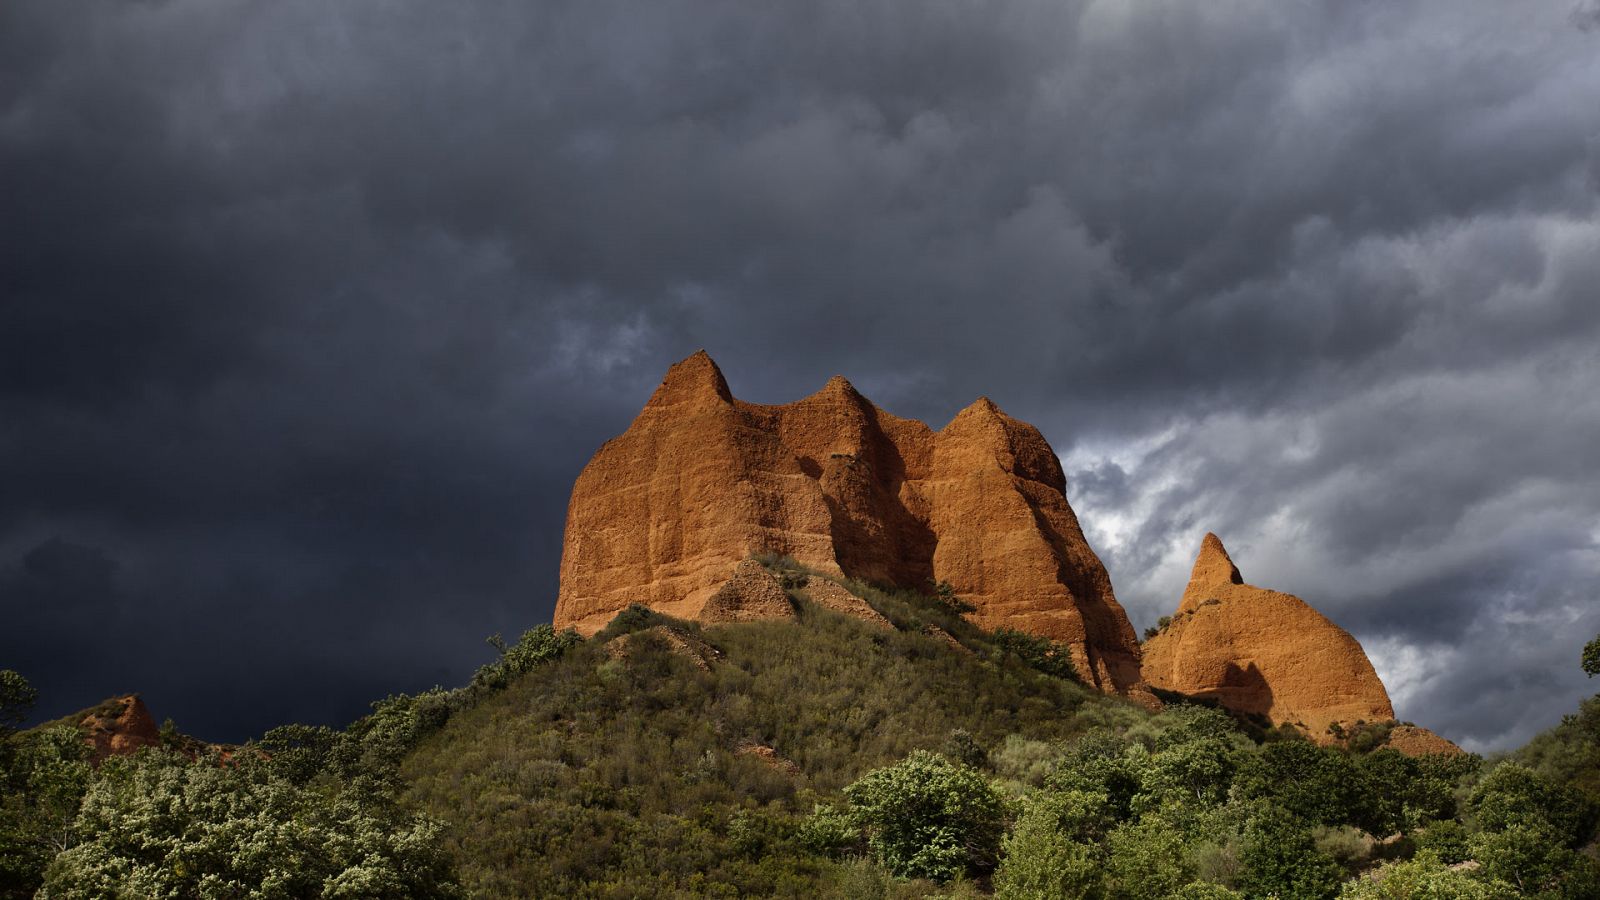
(119, 727)
(701, 480)
(770, 757)
(751, 595)
(1262, 652)
(939, 634)
(699, 653)
(834, 596)
(1414, 741)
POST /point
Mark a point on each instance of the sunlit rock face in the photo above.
(700, 481)
(1262, 652)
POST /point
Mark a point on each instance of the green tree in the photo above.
(1446, 839)
(1196, 773)
(1319, 784)
(17, 697)
(1101, 762)
(1047, 656)
(1530, 855)
(48, 774)
(1147, 860)
(1042, 858)
(1280, 859)
(928, 817)
(1400, 793)
(1514, 795)
(1591, 657)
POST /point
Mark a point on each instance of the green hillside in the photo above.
(625, 777)
(826, 757)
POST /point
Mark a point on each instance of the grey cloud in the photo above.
(312, 312)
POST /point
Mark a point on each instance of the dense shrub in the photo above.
(159, 825)
(1280, 859)
(1513, 795)
(929, 817)
(1425, 878)
(1321, 785)
(1049, 657)
(537, 645)
(1051, 854)
(963, 748)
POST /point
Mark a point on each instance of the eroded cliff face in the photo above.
(1262, 652)
(664, 513)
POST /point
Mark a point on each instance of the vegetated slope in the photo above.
(646, 775)
(790, 758)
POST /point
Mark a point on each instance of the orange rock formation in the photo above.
(1262, 652)
(119, 727)
(700, 481)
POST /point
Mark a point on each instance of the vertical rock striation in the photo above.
(700, 481)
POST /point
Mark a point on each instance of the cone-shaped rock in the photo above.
(1262, 652)
(701, 480)
(751, 595)
(119, 727)
(1414, 741)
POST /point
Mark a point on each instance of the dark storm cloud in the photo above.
(313, 311)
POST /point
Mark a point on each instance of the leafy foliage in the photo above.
(1049, 657)
(537, 646)
(1425, 878)
(1282, 860)
(929, 817)
(46, 775)
(17, 697)
(159, 825)
(1051, 852)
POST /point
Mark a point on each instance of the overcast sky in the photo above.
(311, 312)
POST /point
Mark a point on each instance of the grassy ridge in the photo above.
(601, 777)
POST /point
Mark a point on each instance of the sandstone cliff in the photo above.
(1262, 652)
(664, 513)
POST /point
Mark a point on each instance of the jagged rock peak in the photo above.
(982, 406)
(693, 380)
(701, 480)
(838, 384)
(1212, 567)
